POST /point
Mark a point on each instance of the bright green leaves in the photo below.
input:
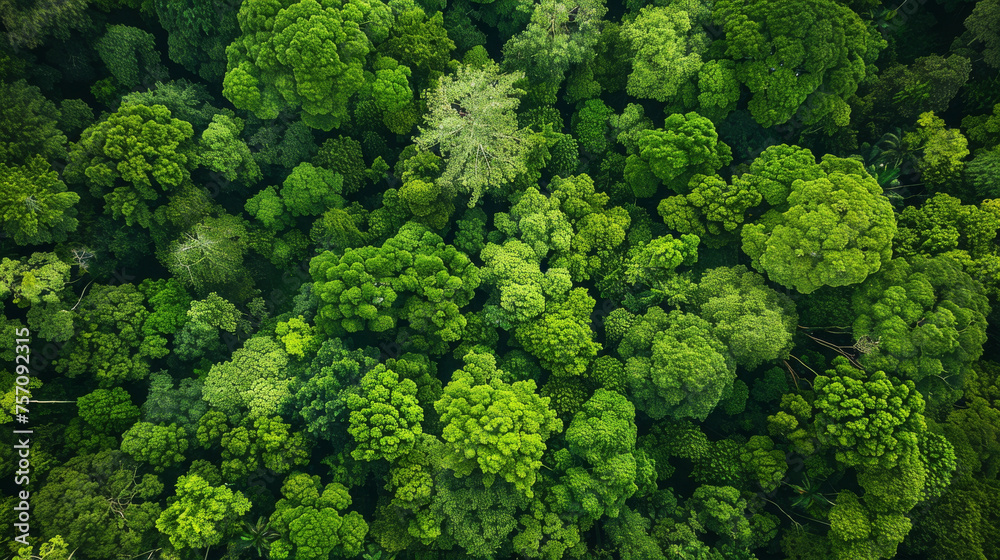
(222, 150)
(686, 145)
(304, 54)
(943, 225)
(775, 169)
(561, 34)
(160, 446)
(603, 435)
(860, 415)
(210, 254)
(838, 230)
(798, 55)
(667, 55)
(312, 522)
(471, 120)
(393, 95)
(654, 263)
(561, 337)
(309, 190)
(112, 343)
(35, 207)
(138, 145)
(756, 322)
(719, 89)
(202, 515)
(358, 288)
(927, 319)
(856, 532)
(385, 415)
(498, 427)
(572, 227)
(711, 210)
(255, 379)
(943, 151)
(675, 365)
(34, 280)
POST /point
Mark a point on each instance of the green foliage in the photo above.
(686, 146)
(311, 521)
(160, 446)
(210, 254)
(130, 55)
(590, 125)
(132, 157)
(712, 207)
(754, 321)
(561, 34)
(198, 33)
(255, 379)
(927, 319)
(111, 344)
(222, 150)
(675, 365)
(668, 55)
(187, 101)
(319, 397)
(608, 373)
(309, 190)
(303, 55)
(111, 411)
(561, 337)
(152, 271)
(477, 517)
(943, 150)
(718, 89)
(385, 415)
(36, 282)
(342, 155)
(983, 130)
(943, 225)
(265, 442)
(471, 121)
(837, 231)
(982, 23)
(202, 515)
(572, 226)
(28, 124)
(29, 25)
(166, 404)
(100, 504)
(420, 42)
(791, 63)
(358, 288)
(482, 429)
(861, 414)
(603, 436)
(35, 207)
(204, 321)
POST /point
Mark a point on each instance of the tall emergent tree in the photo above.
(471, 121)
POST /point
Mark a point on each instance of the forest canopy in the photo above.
(500, 279)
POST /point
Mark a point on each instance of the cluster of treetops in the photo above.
(532, 279)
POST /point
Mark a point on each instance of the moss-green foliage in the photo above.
(479, 434)
(276, 61)
(500, 279)
(132, 158)
(837, 230)
(927, 319)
